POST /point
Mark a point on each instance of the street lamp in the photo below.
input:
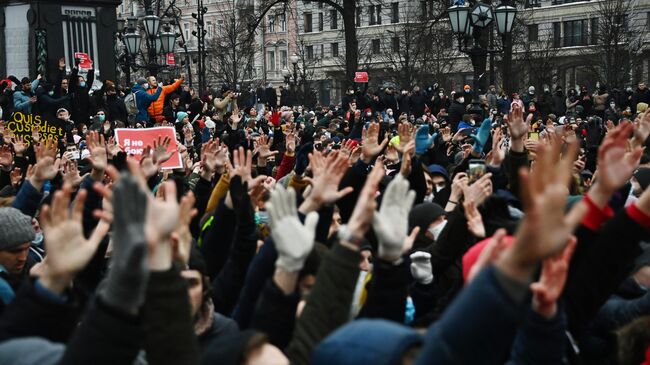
(294, 86)
(468, 22)
(158, 42)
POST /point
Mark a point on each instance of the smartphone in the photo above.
(533, 136)
(476, 170)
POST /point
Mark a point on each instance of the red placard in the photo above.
(134, 141)
(360, 77)
(170, 59)
(84, 60)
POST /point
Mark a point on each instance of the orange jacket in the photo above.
(156, 108)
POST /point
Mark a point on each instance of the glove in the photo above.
(422, 140)
(293, 240)
(126, 282)
(482, 136)
(421, 268)
(391, 221)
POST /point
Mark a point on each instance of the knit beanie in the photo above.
(15, 228)
(180, 116)
(141, 81)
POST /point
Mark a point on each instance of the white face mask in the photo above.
(436, 230)
(461, 100)
(145, 85)
(438, 189)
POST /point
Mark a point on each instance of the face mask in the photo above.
(435, 231)
(101, 117)
(613, 106)
(50, 93)
(438, 189)
(145, 85)
(461, 100)
(368, 115)
(390, 114)
(38, 239)
(441, 95)
(82, 84)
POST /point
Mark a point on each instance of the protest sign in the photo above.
(30, 125)
(134, 141)
(85, 62)
(361, 77)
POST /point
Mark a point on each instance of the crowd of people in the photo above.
(401, 226)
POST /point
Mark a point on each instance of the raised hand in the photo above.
(545, 229)
(112, 147)
(290, 143)
(71, 174)
(516, 124)
(182, 237)
(6, 157)
(406, 132)
(370, 146)
(327, 174)
(548, 289)
(615, 164)
(16, 177)
(642, 129)
(242, 166)
(293, 240)
(46, 167)
(474, 219)
(214, 156)
(263, 148)
(391, 221)
(97, 148)
(19, 145)
(407, 157)
(480, 190)
(496, 155)
(421, 268)
(161, 151)
(68, 251)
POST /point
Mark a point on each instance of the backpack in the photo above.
(131, 104)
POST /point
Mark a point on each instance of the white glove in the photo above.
(391, 221)
(421, 268)
(293, 240)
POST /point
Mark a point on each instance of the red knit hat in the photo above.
(471, 256)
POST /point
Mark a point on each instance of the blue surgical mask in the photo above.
(101, 117)
(82, 84)
(38, 240)
(261, 217)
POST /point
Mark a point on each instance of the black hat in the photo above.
(25, 80)
(422, 215)
(642, 175)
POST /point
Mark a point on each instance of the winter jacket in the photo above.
(456, 112)
(81, 106)
(21, 99)
(559, 105)
(116, 109)
(416, 104)
(156, 107)
(142, 100)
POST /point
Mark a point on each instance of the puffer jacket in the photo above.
(156, 107)
(143, 99)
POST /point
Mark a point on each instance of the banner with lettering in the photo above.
(26, 126)
(134, 141)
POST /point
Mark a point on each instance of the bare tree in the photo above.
(230, 51)
(538, 58)
(617, 41)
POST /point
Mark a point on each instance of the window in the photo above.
(395, 13)
(376, 46)
(320, 22)
(271, 57)
(375, 14)
(533, 3)
(271, 22)
(283, 59)
(557, 34)
(307, 25)
(309, 50)
(186, 28)
(322, 51)
(335, 49)
(334, 19)
(210, 29)
(359, 13)
(594, 31)
(427, 9)
(220, 27)
(533, 30)
(282, 20)
(575, 33)
(395, 44)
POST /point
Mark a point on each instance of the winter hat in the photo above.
(141, 81)
(472, 255)
(30, 351)
(180, 116)
(210, 124)
(422, 140)
(15, 228)
(25, 80)
(366, 341)
(457, 96)
(424, 214)
(642, 175)
(438, 170)
(641, 108)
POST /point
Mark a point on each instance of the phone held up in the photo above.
(476, 170)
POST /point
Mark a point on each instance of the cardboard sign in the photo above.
(134, 141)
(360, 77)
(25, 125)
(84, 60)
(170, 59)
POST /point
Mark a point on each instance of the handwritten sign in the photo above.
(25, 125)
(134, 141)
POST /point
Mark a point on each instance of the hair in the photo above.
(254, 344)
(633, 340)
